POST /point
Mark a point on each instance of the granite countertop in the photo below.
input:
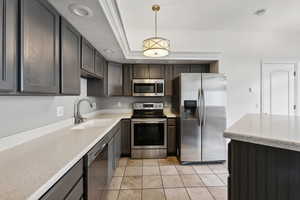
(30, 169)
(170, 114)
(271, 130)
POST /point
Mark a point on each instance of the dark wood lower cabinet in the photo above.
(70, 186)
(126, 137)
(258, 172)
(172, 137)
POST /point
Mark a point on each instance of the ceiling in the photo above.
(184, 18)
(193, 26)
(95, 28)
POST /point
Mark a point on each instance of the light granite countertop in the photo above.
(271, 130)
(28, 170)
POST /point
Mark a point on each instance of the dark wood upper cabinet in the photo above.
(39, 47)
(115, 79)
(140, 71)
(99, 64)
(180, 68)
(127, 80)
(200, 68)
(8, 44)
(87, 56)
(169, 80)
(70, 59)
(157, 71)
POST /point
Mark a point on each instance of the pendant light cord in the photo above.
(155, 23)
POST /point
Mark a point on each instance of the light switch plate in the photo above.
(60, 111)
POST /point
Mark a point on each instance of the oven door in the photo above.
(147, 87)
(148, 133)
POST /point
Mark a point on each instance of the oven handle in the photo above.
(148, 120)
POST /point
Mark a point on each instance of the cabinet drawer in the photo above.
(65, 184)
(171, 122)
(77, 191)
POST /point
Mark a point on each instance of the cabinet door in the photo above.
(39, 47)
(65, 184)
(169, 80)
(115, 77)
(117, 147)
(104, 81)
(70, 59)
(140, 71)
(126, 135)
(157, 71)
(99, 68)
(98, 87)
(200, 68)
(178, 69)
(127, 80)
(111, 160)
(8, 44)
(172, 140)
(87, 56)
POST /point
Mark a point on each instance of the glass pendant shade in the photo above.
(156, 47)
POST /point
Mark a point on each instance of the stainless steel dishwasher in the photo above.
(97, 170)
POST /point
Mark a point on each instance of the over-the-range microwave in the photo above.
(148, 87)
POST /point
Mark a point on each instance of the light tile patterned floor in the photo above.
(166, 179)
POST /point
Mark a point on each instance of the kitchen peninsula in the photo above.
(264, 158)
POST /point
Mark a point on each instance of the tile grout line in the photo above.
(142, 186)
(180, 176)
(162, 183)
(122, 180)
(207, 187)
(189, 196)
(217, 176)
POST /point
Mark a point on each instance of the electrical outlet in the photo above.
(94, 105)
(59, 111)
(119, 104)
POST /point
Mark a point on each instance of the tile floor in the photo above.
(166, 179)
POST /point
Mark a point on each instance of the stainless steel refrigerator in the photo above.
(202, 105)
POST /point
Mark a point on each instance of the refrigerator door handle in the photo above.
(199, 107)
(203, 108)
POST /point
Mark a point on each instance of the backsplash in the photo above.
(126, 102)
(23, 113)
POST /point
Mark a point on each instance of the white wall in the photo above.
(242, 53)
(22, 113)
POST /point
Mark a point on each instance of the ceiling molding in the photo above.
(179, 56)
(111, 10)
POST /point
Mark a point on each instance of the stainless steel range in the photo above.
(148, 131)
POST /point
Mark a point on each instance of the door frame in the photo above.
(296, 64)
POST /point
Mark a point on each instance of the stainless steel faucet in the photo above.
(77, 115)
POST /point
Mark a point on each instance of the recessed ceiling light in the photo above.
(260, 12)
(81, 10)
(108, 51)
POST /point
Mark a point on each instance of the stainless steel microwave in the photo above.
(148, 87)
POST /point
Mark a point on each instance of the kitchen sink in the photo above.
(94, 123)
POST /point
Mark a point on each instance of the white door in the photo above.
(278, 89)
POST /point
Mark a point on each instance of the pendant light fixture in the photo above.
(156, 46)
